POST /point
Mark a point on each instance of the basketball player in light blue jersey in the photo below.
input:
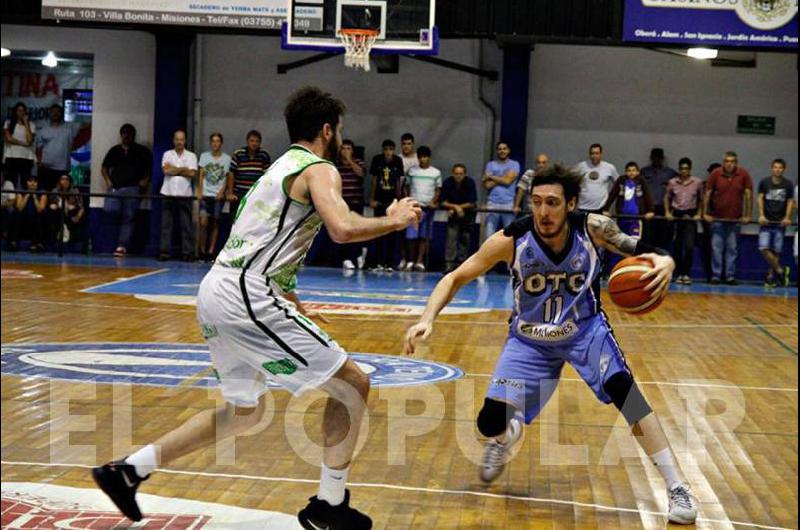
(555, 259)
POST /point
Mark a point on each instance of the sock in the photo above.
(666, 465)
(332, 484)
(144, 460)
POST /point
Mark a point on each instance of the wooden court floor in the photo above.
(721, 372)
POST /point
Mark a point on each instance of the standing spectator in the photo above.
(387, 172)
(29, 219)
(67, 212)
(459, 197)
(597, 178)
(126, 170)
(632, 197)
(180, 168)
(727, 204)
(774, 215)
(248, 164)
(705, 242)
(522, 202)
(215, 178)
(352, 171)
(424, 186)
(54, 146)
(657, 175)
(682, 201)
(407, 152)
(9, 205)
(18, 155)
(499, 178)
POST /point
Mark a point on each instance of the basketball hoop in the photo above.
(357, 45)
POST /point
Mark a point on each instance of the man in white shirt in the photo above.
(598, 178)
(424, 186)
(180, 169)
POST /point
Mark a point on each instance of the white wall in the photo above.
(242, 90)
(631, 100)
(124, 78)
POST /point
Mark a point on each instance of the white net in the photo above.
(357, 45)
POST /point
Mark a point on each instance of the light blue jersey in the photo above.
(555, 297)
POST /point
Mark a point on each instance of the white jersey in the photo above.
(272, 233)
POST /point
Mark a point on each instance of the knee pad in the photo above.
(494, 417)
(627, 397)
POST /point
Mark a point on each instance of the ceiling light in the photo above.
(50, 60)
(5, 52)
(702, 53)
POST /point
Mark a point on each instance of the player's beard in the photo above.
(552, 230)
(332, 149)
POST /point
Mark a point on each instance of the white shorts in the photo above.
(255, 337)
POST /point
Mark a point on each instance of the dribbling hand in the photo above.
(406, 211)
(418, 332)
(663, 267)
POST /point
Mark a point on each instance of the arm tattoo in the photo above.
(607, 234)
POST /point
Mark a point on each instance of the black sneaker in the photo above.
(319, 515)
(731, 281)
(119, 481)
(715, 281)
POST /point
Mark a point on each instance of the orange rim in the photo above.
(355, 32)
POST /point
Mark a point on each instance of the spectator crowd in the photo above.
(656, 202)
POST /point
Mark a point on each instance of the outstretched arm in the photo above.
(344, 226)
(605, 233)
(496, 249)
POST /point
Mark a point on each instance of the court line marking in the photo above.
(121, 280)
(414, 489)
(770, 335)
(669, 383)
(393, 318)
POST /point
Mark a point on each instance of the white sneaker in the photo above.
(682, 505)
(495, 453)
(348, 265)
(419, 267)
(362, 259)
(408, 267)
(402, 265)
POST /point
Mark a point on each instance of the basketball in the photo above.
(626, 289)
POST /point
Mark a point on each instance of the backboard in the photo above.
(404, 26)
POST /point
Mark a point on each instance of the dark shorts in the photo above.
(210, 207)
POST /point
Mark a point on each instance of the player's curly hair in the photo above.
(559, 174)
(308, 110)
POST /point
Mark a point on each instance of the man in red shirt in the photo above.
(728, 202)
(352, 171)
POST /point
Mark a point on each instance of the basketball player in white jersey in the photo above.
(256, 336)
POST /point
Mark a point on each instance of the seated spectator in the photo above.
(9, 205)
(248, 163)
(522, 201)
(683, 201)
(126, 170)
(29, 219)
(352, 171)
(774, 215)
(459, 197)
(631, 196)
(424, 185)
(180, 168)
(387, 173)
(215, 178)
(499, 179)
(67, 212)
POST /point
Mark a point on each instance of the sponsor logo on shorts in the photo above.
(548, 332)
(160, 364)
(512, 383)
(209, 331)
(282, 367)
